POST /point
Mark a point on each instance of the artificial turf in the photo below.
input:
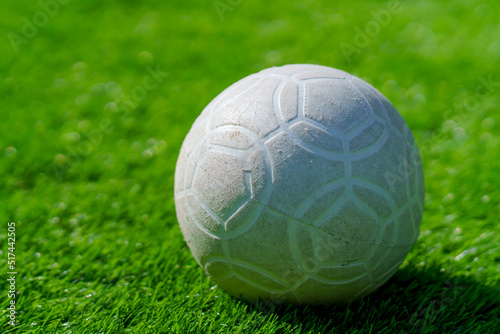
(87, 157)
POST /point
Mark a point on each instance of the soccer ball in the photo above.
(299, 183)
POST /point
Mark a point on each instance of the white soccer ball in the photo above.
(299, 183)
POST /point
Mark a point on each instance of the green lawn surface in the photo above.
(88, 148)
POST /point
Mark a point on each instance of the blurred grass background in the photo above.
(87, 157)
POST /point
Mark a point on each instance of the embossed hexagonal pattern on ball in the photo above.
(300, 183)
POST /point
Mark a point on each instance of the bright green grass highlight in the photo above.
(98, 250)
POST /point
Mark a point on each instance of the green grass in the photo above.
(98, 248)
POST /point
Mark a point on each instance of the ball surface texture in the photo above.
(299, 183)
